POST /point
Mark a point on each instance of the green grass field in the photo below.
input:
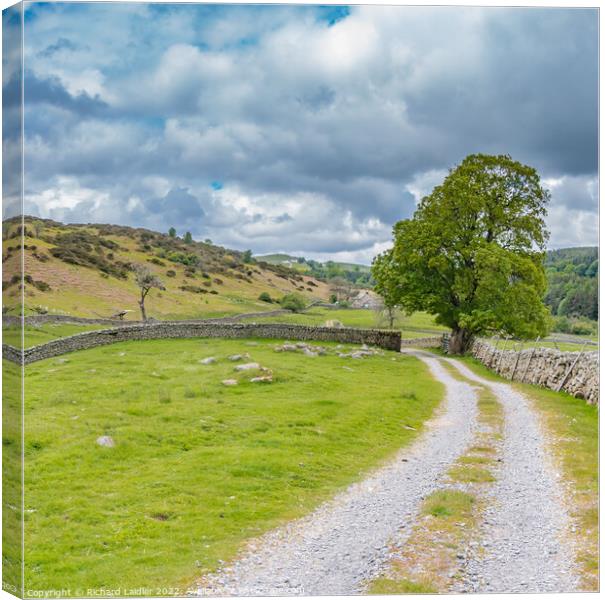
(198, 467)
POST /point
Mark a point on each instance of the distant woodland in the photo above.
(572, 292)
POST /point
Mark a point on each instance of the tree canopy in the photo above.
(473, 253)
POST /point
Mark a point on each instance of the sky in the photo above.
(304, 129)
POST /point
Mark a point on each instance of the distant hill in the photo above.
(358, 275)
(573, 275)
(86, 270)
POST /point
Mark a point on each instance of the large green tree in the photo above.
(473, 253)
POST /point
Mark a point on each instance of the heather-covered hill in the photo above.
(86, 270)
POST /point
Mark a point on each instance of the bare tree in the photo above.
(386, 312)
(146, 280)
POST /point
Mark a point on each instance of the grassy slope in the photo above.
(198, 467)
(574, 429)
(83, 291)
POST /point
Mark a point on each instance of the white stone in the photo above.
(106, 441)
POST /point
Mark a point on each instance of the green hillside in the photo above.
(358, 275)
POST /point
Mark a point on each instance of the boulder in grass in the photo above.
(229, 382)
(208, 361)
(106, 441)
(247, 367)
(262, 379)
(308, 352)
(236, 357)
(287, 347)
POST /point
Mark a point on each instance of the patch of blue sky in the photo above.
(333, 13)
(216, 185)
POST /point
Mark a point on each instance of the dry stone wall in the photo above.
(425, 342)
(389, 340)
(573, 372)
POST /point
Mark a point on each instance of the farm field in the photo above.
(197, 467)
(360, 317)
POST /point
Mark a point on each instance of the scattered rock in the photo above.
(287, 347)
(262, 379)
(229, 382)
(247, 367)
(106, 441)
(308, 352)
(334, 323)
(208, 361)
(236, 357)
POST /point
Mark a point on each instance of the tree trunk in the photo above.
(142, 306)
(460, 341)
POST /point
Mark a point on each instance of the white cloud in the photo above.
(320, 137)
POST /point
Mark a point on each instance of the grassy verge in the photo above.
(429, 560)
(197, 467)
(573, 428)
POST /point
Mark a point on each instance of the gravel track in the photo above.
(345, 541)
(526, 523)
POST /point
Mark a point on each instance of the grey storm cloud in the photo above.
(178, 205)
(51, 91)
(299, 116)
(61, 44)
